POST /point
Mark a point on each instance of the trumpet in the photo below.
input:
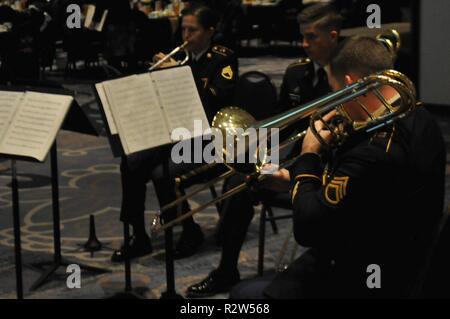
(168, 56)
(341, 130)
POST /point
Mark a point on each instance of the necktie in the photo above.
(322, 86)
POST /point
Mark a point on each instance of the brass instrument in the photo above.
(391, 40)
(173, 52)
(340, 130)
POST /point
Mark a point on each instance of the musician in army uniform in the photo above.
(215, 70)
(304, 80)
(369, 207)
(214, 66)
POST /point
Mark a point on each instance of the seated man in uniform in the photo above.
(215, 72)
(369, 214)
(320, 26)
(306, 79)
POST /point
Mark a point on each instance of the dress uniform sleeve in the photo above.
(319, 202)
(219, 89)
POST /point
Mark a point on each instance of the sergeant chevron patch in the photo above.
(227, 72)
(336, 190)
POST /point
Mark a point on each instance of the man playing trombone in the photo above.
(367, 205)
(303, 81)
(215, 71)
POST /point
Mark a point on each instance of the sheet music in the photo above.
(137, 114)
(106, 108)
(179, 98)
(35, 125)
(9, 101)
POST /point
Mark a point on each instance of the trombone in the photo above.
(172, 53)
(340, 130)
(391, 40)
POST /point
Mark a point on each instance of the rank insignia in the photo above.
(227, 72)
(294, 191)
(336, 190)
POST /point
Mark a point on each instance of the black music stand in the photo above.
(76, 121)
(170, 292)
(16, 222)
(128, 293)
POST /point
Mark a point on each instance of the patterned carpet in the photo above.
(90, 185)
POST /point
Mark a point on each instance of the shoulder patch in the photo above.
(227, 72)
(336, 190)
(221, 50)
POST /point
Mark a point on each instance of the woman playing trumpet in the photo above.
(215, 71)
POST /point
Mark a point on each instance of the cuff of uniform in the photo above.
(307, 164)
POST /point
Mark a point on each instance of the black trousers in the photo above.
(237, 214)
(309, 276)
(155, 165)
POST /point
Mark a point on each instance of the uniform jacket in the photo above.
(215, 74)
(374, 201)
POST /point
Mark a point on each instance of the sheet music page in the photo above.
(179, 98)
(9, 102)
(137, 113)
(106, 108)
(35, 124)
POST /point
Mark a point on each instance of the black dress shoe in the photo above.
(189, 242)
(214, 284)
(137, 248)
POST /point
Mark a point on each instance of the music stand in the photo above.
(76, 121)
(16, 223)
(170, 292)
(55, 198)
(128, 293)
(74, 114)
